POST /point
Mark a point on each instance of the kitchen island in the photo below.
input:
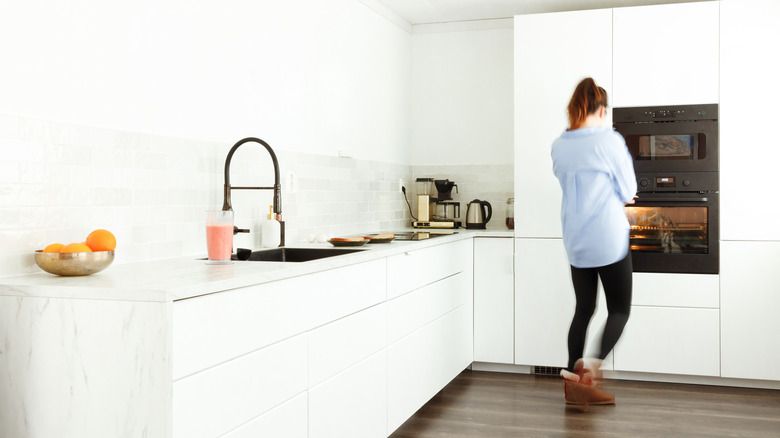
(181, 348)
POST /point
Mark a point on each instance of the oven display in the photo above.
(665, 181)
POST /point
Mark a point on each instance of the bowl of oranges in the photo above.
(76, 259)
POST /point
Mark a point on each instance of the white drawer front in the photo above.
(421, 364)
(676, 290)
(409, 312)
(670, 340)
(289, 420)
(343, 343)
(353, 404)
(414, 269)
(222, 398)
(215, 328)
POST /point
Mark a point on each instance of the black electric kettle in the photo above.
(478, 214)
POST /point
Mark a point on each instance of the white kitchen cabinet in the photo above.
(345, 342)
(288, 420)
(320, 352)
(421, 364)
(550, 59)
(544, 305)
(666, 54)
(414, 269)
(240, 353)
(212, 329)
(676, 290)
(673, 327)
(430, 330)
(748, 96)
(224, 397)
(494, 300)
(671, 340)
(348, 376)
(352, 404)
(750, 299)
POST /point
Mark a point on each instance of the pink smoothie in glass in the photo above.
(219, 239)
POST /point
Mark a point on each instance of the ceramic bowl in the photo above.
(75, 263)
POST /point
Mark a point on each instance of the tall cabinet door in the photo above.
(749, 279)
(749, 96)
(494, 300)
(666, 54)
(550, 59)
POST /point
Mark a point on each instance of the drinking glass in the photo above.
(219, 236)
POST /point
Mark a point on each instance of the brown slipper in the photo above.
(584, 395)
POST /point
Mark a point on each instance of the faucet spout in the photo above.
(277, 187)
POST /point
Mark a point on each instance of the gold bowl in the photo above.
(74, 263)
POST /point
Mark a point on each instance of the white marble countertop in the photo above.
(187, 277)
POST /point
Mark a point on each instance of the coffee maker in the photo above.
(435, 207)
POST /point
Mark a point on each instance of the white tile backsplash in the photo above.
(492, 183)
(60, 181)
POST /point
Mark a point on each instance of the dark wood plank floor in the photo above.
(482, 404)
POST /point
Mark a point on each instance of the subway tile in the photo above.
(152, 190)
(9, 127)
(9, 171)
(10, 218)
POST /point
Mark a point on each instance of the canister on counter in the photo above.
(510, 213)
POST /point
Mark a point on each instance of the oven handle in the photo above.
(657, 198)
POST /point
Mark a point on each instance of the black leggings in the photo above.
(616, 279)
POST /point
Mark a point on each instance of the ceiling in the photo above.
(445, 11)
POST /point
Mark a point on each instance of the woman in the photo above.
(597, 178)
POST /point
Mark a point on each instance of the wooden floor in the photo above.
(482, 404)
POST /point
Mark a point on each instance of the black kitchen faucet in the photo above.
(277, 187)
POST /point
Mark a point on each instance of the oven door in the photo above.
(687, 146)
(674, 232)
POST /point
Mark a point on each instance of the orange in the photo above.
(101, 240)
(54, 247)
(75, 247)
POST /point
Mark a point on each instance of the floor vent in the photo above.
(547, 371)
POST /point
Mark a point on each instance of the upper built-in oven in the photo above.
(670, 138)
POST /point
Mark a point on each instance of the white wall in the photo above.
(462, 93)
(119, 116)
(308, 76)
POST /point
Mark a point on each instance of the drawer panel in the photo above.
(409, 312)
(343, 343)
(414, 269)
(353, 404)
(215, 328)
(224, 397)
(676, 290)
(670, 340)
(289, 420)
(423, 363)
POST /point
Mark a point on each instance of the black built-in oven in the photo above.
(674, 222)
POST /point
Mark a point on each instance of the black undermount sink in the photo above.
(294, 254)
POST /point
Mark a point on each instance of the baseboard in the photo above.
(692, 380)
(501, 367)
(642, 377)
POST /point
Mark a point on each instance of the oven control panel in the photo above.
(677, 182)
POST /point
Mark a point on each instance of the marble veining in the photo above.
(60, 362)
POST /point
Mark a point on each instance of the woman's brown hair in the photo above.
(587, 99)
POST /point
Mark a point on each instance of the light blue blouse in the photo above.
(596, 174)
